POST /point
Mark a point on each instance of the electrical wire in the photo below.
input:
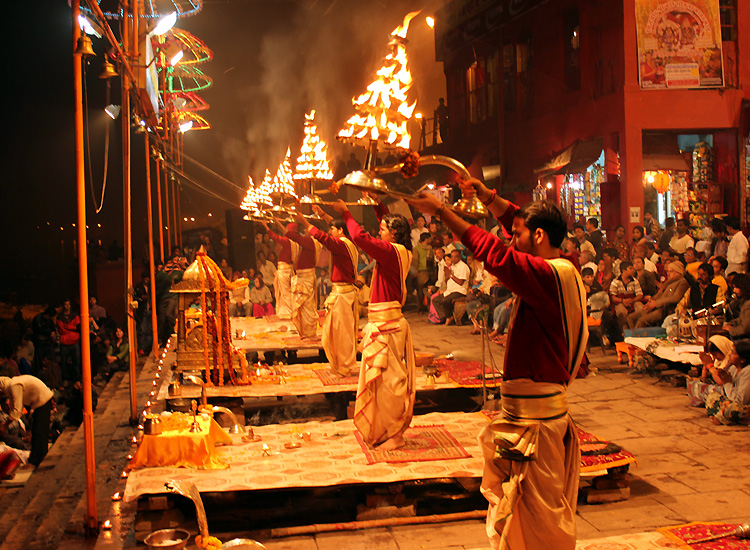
(218, 176)
(97, 205)
(198, 186)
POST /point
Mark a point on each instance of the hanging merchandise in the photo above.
(703, 163)
(539, 193)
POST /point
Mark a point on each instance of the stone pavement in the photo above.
(687, 469)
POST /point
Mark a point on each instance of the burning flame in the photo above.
(313, 161)
(402, 29)
(256, 198)
(383, 109)
(283, 182)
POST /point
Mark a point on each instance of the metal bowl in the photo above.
(243, 544)
(167, 539)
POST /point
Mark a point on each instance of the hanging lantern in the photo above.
(661, 182)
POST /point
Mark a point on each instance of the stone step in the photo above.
(53, 491)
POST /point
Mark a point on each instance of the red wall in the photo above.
(608, 54)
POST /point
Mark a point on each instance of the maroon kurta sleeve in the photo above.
(537, 347)
(307, 254)
(285, 255)
(386, 285)
(342, 269)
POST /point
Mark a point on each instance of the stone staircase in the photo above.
(49, 511)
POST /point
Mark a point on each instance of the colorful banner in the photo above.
(679, 44)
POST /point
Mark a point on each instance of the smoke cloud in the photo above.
(298, 56)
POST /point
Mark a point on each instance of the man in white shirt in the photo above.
(417, 230)
(738, 246)
(456, 277)
(30, 392)
(682, 240)
(267, 269)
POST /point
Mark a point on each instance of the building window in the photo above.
(524, 66)
(572, 51)
(509, 77)
(481, 85)
(728, 17)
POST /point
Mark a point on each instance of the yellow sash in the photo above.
(295, 253)
(572, 308)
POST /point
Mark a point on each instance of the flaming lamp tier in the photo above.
(283, 182)
(256, 199)
(312, 164)
(383, 110)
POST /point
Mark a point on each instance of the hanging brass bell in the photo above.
(84, 47)
(108, 71)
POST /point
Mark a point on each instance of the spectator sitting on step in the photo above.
(456, 281)
(604, 275)
(260, 298)
(597, 299)
(646, 278)
(691, 261)
(586, 259)
(715, 357)
(612, 258)
(738, 310)
(239, 300)
(719, 264)
(118, 354)
(626, 294)
(725, 391)
(655, 309)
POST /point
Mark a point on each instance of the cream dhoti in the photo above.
(339, 336)
(385, 394)
(531, 469)
(304, 303)
(282, 289)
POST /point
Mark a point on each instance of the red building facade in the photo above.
(547, 88)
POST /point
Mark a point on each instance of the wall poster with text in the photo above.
(679, 44)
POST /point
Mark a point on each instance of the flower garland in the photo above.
(226, 331)
(204, 320)
(218, 323)
(245, 380)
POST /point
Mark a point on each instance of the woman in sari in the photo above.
(715, 358)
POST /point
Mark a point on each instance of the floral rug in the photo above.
(423, 443)
(685, 534)
(329, 378)
(467, 374)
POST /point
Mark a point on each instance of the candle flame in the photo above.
(383, 110)
(313, 160)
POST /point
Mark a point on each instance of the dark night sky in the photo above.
(273, 61)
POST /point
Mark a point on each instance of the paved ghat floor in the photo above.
(687, 469)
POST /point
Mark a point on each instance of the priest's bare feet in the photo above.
(393, 443)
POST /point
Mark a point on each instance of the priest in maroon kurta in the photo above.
(304, 290)
(386, 390)
(531, 452)
(282, 284)
(339, 335)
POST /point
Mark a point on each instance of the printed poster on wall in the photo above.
(679, 44)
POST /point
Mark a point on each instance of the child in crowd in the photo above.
(260, 298)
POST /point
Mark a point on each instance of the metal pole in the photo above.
(484, 369)
(179, 213)
(92, 522)
(168, 216)
(174, 207)
(151, 265)
(128, 229)
(158, 202)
